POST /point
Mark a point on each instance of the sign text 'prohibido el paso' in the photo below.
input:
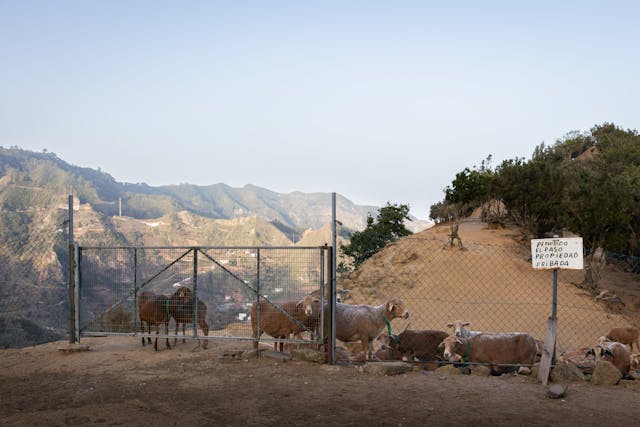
(561, 253)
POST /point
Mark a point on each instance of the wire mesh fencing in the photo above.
(201, 292)
(494, 287)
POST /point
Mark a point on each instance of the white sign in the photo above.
(559, 253)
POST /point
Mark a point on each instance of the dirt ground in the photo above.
(118, 382)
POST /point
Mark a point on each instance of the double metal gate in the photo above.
(228, 280)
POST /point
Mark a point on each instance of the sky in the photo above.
(379, 101)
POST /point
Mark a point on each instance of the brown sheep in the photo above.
(627, 335)
(494, 349)
(153, 310)
(280, 326)
(181, 308)
(422, 344)
(614, 352)
(365, 322)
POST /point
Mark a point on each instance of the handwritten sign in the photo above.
(560, 253)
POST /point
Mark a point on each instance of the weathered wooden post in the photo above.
(554, 254)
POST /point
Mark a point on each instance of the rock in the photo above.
(556, 391)
(566, 372)
(251, 354)
(387, 368)
(481, 371)
(309, 355)
(605, 374)
(524, 370)
(276, 355)
(534, 371)
(447, 370)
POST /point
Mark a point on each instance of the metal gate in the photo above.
(228, 280)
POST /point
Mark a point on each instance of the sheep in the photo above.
(153, 309)
(626, 335)
(181, 308)
(386, 353)
(421, 344)
(614, 352)
(364, 322)
(460, 330)
(277, 324)
(493, 349)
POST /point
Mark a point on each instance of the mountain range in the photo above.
(34, 189)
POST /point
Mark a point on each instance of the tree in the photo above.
(387, 227)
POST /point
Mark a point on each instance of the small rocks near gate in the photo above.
(605, 374)
(566, 372)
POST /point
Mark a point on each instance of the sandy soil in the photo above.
(118, 382)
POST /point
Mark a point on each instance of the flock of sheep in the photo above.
(501, 352)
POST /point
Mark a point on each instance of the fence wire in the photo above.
(226, 283)
(483, 284)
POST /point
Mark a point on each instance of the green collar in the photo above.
(386, 321)
(166, 305)
(466, 353)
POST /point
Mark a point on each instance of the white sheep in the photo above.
(365, 322)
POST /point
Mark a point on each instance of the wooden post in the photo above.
(548, 350)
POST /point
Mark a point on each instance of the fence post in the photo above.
(195, 292)
(332, 300)
(77, 280)
(259, 329)
(72, 280)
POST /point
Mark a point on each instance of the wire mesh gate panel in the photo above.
(492, 286)
(116, 285)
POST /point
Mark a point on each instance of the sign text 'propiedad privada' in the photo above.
(561, 253)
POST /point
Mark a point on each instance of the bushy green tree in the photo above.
(387, 227)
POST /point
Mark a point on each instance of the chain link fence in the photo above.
(493, 286)
(116, 284)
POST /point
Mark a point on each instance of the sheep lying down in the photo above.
(493, 349)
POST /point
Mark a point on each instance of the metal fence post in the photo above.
(332, 270)
(77, 280)
(258, 330)
(72, 281)
(195, 292)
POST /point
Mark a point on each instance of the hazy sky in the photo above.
(376, 100)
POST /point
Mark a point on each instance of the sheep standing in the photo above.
(277, 324)
(365, 322)
(181, 309)
(153, 310)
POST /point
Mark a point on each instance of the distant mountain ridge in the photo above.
(34, 190)
(296, 210)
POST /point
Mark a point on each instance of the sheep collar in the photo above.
(166, 305)
(386, 321)
(466, 353)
